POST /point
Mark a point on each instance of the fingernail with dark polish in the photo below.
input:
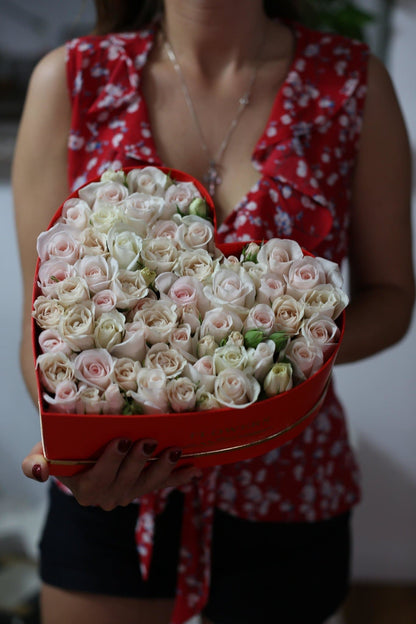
(149, 448)
(123, 446)
(37, 472)
(174, 456)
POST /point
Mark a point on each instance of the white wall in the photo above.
(379, 393)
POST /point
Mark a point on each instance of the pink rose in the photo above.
(51, 341)
(307, 357)
(323, 331)
(66, 397)
(260, 317)
(54, 368)
(97, 271)
(179, 195)
(94, 367)
(219, 322)
(51, 272)
(76, 213)
(134, 343)
(151, 393)
(181, 394)
(104, 301)
(271, 287)
(278, 254)
(60, 241)
(304, 274)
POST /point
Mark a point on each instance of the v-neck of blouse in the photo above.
(275, 112)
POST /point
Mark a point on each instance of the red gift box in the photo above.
(72, 442)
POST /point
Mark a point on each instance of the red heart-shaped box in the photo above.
(72, 442)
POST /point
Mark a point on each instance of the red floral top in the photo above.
(306, 157)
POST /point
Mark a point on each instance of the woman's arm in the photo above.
(39, 180)
(39, 176)
(381, 271)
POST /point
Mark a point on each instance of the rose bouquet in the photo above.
(138, 314)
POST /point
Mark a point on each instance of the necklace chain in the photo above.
(212, 177)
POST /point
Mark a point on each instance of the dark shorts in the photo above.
(275, 572)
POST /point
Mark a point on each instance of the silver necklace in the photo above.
(212, 177)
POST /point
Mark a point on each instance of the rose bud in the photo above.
(253, 337)
(250, 252)
(198, 207)
(278, 379)
(206, 346)
(280, 339)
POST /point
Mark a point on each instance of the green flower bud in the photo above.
(198, 207)
(280, 339)
(253, 337)
(250, 252)
(148, 275)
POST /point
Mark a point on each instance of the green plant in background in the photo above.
(341, 16)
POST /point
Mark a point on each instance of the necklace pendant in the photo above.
(212, 178)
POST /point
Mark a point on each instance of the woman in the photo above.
(297, 134)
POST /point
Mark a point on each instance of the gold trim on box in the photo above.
(237, 447)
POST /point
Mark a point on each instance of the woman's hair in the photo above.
(124, 15)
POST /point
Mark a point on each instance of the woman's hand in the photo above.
(120, 475)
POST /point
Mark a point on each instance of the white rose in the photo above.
(76, 213)
(255, 271)
(151, 393)
(235, 338)
(262, 317)
(195, 233)
(105, 216)
(65, 399)
(231, 289)
(322, 330)
(183, 340)
(124, 244)
(72, 290)
(97, 271)
(229, 356)
(109, 330)
(114, 176)
(159, 254)
(198, 264)
(332, 272)
(306, 357)
(159, 319)
(181, 394)
(260, 359)
(54, 369)
(325, 299)
(289, 314)
(190, 315)
(94, 367)
(233, 388)
(206, 346)
(125, 373)
(77, 326)
(278, 379)
(129, 287)
(141, 211)
(51, 272)
(219, 322)
(278, 254)
(150, 180)
(47, 312)
(103, 193)
(93, 243)
(206, 400)
(61, 241)
(304, 275)
(134, 344)
(169, 360)
(95, 401)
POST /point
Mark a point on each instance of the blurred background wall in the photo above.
(379, 393)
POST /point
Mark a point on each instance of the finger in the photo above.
(132, 467)
(91, 487)
(156, 475)
(35, 466)
(184, 475)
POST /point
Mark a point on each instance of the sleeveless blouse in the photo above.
(306, 157)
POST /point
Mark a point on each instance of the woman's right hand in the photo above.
(121, 474)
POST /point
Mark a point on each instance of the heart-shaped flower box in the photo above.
(72, 442)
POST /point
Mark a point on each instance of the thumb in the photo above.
(35, 465)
